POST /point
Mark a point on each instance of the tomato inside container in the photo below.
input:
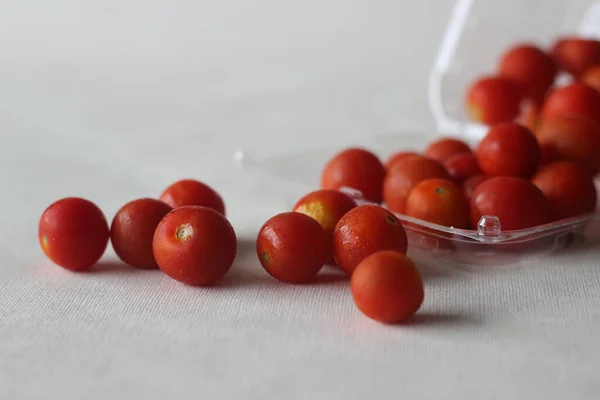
(477, 33)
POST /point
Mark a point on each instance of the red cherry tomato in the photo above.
(462, 166)
(73, 233)
(327, 207)
(574, 99)
(591, 77)
(405, 174)
(363, 231)
(397, 157)
(509, 150)
(444, 148)
(575, 55)
(292, 247)
(438, 201)
(569, 188)
(529, 67)
(515, 201)
(189, 192)
(492, 100)
(471, 184)
(132, 231)
(387, 287)
(358, 169)
(571, 138)
(194, 245)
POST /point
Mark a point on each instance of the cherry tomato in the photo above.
(571, 138)
(569, 188)
(471, 184)
(462, 166)
(195, 245)
(398, 156)
(515, 201)
(363, 231)
(132, 231)
(438, 201)
(73, 233)
(189, 192)
(509, 149)
(576, 98)
(492, 100)
(404, 175)
(326, 206)
(575, 55)
(292, 247)
(529, 67)
(444, 148)
(358, 169)
(591, 77)
(387, 287)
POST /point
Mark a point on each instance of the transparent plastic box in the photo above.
(477, 32)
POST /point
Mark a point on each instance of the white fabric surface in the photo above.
(114, 100)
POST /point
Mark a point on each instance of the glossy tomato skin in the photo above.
(132, 231)
(492, 100)
(444, 148)
(438, 201)
(405, 174)
(292, 247)
(195, 245)
(358, 169)
(469, 186)
(569, 188)
(591, 77)
(571, 138)
(190, 192)
(363, 231)
(574, 99)
(509, 149)
(462, 166)
(531, 68)
(73, 233)
(575, 55)
(327, 207)
(387, 287)
(397, 157)
(515, 201)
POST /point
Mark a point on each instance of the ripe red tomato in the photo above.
(194, 245)
(529, 67)
(569, 188)
(73, 233)
(509, 149)
(358, 169)
(591, 77)
(575, 55)
(404, 175)
(132, 231)
(515, 201)
(576, 98)
(444, 148)
(363, 231)
(326, 206)
(398, 156)
(571, 138)
(292, 247)
(438, 201)
(462, 166)
(387, 287)
(471, 184)
(189, 192)
(492, 100)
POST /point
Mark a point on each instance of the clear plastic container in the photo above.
(478, 31)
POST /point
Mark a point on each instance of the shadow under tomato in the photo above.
(438, 319)
(116, 267)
